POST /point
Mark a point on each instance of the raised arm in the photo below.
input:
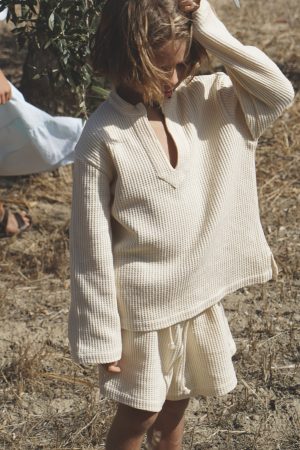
(94, 324)
(260, 87)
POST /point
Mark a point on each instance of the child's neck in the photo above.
(134, 97)
(129, 95)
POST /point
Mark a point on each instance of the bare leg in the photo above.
(169, 425)
(128, 428)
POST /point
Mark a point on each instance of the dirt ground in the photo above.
(49, 402)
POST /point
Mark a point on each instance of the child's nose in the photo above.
(174, 78)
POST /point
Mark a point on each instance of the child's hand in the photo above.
(112, 367)
(5, 89)
(188, 6)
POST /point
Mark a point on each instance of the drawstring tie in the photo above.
(172, 345)
(181, 351)
(182, 380)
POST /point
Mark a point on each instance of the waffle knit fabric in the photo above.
(188, 359)
(153, 245)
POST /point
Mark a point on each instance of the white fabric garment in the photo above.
(153, 245)
(33, 141)
(188, 359)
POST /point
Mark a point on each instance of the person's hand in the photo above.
(5, 89)
(188, 6)
(112, 367)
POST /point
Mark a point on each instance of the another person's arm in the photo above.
(5, 89)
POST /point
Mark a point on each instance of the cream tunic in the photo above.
(151, 245)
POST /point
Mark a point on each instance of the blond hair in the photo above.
(129, 34)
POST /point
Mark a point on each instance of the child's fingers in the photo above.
(5, 97)
(112, 367)
(188, 6)
(8, 95)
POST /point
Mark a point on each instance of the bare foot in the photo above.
(12, 223)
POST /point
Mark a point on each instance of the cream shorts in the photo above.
(185, 360)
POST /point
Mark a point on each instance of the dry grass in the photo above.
(48, 402)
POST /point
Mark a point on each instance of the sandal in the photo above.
(22, 225)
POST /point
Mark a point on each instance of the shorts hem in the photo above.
(220, 390)
(153, 407)
(130, 401)
(223, 390)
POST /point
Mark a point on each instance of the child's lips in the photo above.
(170, 90)
(168, 93)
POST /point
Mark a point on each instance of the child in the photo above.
(165, 218)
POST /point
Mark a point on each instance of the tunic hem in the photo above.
(168, 321)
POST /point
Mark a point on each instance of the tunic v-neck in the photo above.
(158, 125)
(150, 142)
(165, 171)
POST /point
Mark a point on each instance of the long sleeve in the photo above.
(94, 323)
(260, 87)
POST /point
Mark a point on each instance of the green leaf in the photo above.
(48, 43)
(103, 93)
(62, 29)
(51, 21)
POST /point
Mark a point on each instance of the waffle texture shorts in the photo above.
(188, 359)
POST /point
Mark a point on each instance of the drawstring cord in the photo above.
(185, 330)
(181, 351)
(172, 345)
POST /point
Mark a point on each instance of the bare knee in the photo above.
(137, 420)
(175, 409)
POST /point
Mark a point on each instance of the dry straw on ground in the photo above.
(48, 402)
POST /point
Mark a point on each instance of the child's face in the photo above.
(171, 59)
